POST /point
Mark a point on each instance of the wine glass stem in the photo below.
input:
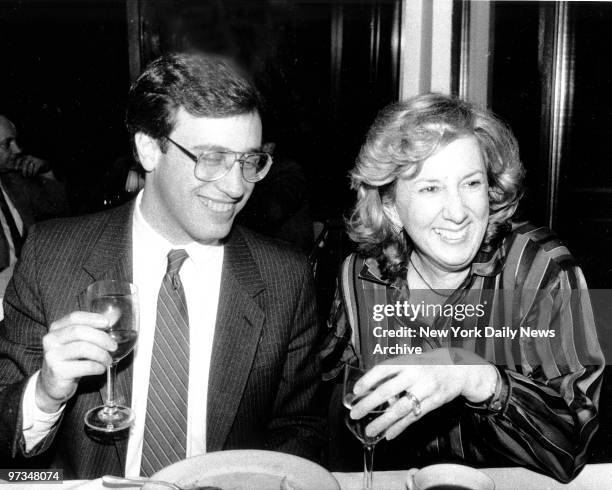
(368, 466)
(110, 387)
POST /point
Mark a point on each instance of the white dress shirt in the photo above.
(201, 278)
(6, 274)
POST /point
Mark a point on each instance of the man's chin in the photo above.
(215, 234)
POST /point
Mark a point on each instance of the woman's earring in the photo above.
(393, 217)
(396, 228)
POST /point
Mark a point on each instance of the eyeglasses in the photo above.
(214, 165)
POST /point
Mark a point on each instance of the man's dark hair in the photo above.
(204, 86)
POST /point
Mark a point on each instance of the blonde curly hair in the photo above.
(402, 137)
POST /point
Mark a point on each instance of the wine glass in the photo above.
(351, 375)
(118, 302)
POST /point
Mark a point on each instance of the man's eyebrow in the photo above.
(204, 147)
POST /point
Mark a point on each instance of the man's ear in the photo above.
(148, 150)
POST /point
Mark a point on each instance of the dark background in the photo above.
(63, 82)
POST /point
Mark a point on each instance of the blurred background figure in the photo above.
(122, 181)
(279, 205)
(29, 192)
(13, 159)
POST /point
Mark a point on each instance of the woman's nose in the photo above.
(454, 207)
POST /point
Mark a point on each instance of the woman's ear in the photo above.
(149, 152)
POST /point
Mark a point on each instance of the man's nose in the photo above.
(233, 184)
(15, 148)
(454, 207)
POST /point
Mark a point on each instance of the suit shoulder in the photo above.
(76, 230)
(271, 250)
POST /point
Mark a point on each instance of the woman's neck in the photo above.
(433, 277)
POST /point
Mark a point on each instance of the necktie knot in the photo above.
(175, 260)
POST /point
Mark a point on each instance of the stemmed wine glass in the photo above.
(357, 427)
(118, 302)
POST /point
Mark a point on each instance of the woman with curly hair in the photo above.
(476, 330)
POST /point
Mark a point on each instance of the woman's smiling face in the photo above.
(445, 207)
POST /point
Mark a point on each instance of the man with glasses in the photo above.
(225, 356)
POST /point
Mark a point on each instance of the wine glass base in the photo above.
(105, 419)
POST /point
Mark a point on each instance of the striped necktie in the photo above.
(165, 434)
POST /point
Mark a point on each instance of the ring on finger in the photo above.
(414, 401)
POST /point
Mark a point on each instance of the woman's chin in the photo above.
(454, 263)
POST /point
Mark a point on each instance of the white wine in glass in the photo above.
(118, 302)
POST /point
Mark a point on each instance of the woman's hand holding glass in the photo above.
(416, 385)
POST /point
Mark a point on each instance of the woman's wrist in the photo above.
(481, 387)
(481, 377)
(497, 400)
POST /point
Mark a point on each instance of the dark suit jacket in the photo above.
(264, 374)
(35, 198)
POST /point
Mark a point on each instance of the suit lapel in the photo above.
(111, 259)
(237, 331)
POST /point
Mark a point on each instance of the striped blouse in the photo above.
(550, 385)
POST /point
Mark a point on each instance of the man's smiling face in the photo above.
(177, 204)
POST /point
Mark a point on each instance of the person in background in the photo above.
(29, 193)
(279, 206)
(438, 182)
(122, 181)
(241, 371)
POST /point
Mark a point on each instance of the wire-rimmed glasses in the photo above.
(213, 165)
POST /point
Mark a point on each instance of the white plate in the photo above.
(247, 469)
(90, 485)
